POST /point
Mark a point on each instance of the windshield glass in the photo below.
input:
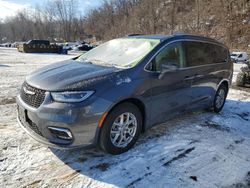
(120, 52)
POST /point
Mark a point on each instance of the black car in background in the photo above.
(113, 93)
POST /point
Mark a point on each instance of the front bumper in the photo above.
(80, 120)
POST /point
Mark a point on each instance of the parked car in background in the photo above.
(5, 45)
(70, 45)
(84, 47)
(111, 94)
(239, 56)
(40, 46)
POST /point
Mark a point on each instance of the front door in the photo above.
(171, 91)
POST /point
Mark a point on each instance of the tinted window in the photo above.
(201, 53)
(197, 53)
(170, 55)
(219, 54)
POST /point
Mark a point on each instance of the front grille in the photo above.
(32, 96)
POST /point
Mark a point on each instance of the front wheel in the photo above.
(121, 129)
(220, 98)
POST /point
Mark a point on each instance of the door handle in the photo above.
(198, 76)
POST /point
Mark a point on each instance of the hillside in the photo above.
(62, 20)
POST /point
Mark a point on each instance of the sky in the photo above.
(11, 7)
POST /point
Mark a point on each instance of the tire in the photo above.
(107, 140)
(241, 79)
(220, 98)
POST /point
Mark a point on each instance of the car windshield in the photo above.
(234, 55)
(120, 52)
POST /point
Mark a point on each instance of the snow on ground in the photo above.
(200, 149)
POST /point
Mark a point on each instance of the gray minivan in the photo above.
(108, 96)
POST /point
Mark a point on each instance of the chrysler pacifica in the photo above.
(108, 96)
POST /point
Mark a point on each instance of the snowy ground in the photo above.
(201, 149)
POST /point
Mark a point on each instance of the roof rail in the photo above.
(135, 34)
(181, 33)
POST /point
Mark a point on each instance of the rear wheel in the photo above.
(240, 79)
(121, 129)
(220, 97)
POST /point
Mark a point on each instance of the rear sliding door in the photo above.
(207, 63)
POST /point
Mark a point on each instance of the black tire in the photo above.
(105, 139)
(241, 79)
(216, 108)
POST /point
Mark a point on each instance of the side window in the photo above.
(171, 55)
(240, 56)
(202, 53)
(219, 54)
(197, 53)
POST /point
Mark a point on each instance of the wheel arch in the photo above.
(139, 104)
(224, 82)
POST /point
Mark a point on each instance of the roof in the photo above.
(175, 36)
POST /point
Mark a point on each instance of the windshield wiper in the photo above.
(97, 61)
(84, 60)
(100, 62)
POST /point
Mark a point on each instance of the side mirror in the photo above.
(165, 68)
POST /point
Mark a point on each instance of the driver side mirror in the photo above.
(167, 67)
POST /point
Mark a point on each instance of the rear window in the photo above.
(201, 53)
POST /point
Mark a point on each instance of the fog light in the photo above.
(61, 133)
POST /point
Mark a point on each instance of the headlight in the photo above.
(71, 96)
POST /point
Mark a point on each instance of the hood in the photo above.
(69, 74)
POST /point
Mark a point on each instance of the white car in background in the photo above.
(239, 56)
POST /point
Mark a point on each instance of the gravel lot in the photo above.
(200, 149)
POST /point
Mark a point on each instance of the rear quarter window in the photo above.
(202, 53)
(219, 54)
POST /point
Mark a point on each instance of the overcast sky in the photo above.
(11, 7)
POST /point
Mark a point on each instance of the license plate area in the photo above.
(22, 113)
(26, 121)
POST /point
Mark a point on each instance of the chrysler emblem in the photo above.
(28, 91)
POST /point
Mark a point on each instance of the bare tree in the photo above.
(65, 12)
(63, 20)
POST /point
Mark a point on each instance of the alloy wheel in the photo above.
(123, 130)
